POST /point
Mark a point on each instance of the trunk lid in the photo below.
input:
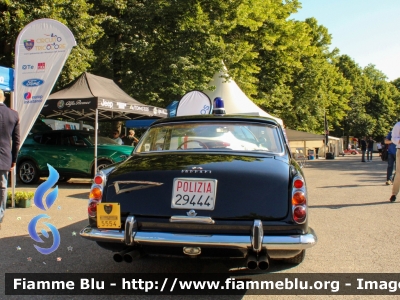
(246, 187)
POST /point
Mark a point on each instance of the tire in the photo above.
(28, 173)
(354, 153)
(296, 259)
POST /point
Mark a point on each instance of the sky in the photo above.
(366, 30)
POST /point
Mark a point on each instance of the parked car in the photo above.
(70, 152)
(204, 186)
(350, 151)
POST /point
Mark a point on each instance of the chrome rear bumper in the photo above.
(130, 236)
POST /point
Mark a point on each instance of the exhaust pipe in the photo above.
(263, 262)
(130, 256)
(251, 262)
(119, 256)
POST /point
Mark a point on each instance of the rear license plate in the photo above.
(194, 193)
(108, 215)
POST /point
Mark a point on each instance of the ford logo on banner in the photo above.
(33, 82)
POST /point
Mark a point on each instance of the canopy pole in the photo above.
(13, 171)
(96, 129)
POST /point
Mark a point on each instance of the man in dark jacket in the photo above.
(370, 149)
(363, 148)
(9, 146)
(391, 158)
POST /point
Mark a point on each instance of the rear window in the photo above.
(239, 136)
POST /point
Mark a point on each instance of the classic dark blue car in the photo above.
(205, 186)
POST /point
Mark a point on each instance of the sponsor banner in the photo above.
(127, 108)
(66, 105)
(210, 284)
(41, 50)
(6, 79)
(54, 105)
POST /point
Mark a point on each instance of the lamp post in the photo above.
(326, 129)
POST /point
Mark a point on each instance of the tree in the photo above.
(314, 87)
(357, 122)
(383, 101)
(396, 83)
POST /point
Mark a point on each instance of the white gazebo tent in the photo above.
(235, 100)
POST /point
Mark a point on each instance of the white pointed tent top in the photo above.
(235, 100)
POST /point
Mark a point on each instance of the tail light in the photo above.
(92, 208)
(96, 193)
(299, 200)
(98, 179)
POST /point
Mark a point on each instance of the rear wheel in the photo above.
(354, 153)
(296, 259)
(28, 173)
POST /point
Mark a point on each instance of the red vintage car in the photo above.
(350, 151)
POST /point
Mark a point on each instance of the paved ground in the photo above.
(357, 228)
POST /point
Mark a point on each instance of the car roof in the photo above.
(65, 131)
(222, 118)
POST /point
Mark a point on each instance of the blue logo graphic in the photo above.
(205, 110)
(50, 199)
(32, 82)
(27, 67)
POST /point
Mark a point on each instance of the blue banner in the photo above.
(6, 79)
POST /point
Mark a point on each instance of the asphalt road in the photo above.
(349, 209)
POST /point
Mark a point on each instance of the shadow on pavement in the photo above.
(337, 206)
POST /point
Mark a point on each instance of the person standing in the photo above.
(363, 148)
(379, 147)
(370, 148)
(391, 152)
(9, 146)
(396, 141)
(116, 138)
(130, 139)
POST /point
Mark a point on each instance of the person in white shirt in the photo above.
(379, 146)
(396, 141)
(116, 137)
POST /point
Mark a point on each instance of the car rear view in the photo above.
(204, 186)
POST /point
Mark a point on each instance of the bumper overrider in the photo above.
(276, 245)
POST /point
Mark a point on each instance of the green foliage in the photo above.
(158, 50)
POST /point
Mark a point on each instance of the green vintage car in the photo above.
(70, 152)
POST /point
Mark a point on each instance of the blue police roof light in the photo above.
(218, 108)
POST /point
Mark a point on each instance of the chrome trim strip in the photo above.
(286, 242)
(190, 219)
(201, 240)
(143, 185)
(257, 236)
(130, 230)
(291, 242)
(103, 235)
